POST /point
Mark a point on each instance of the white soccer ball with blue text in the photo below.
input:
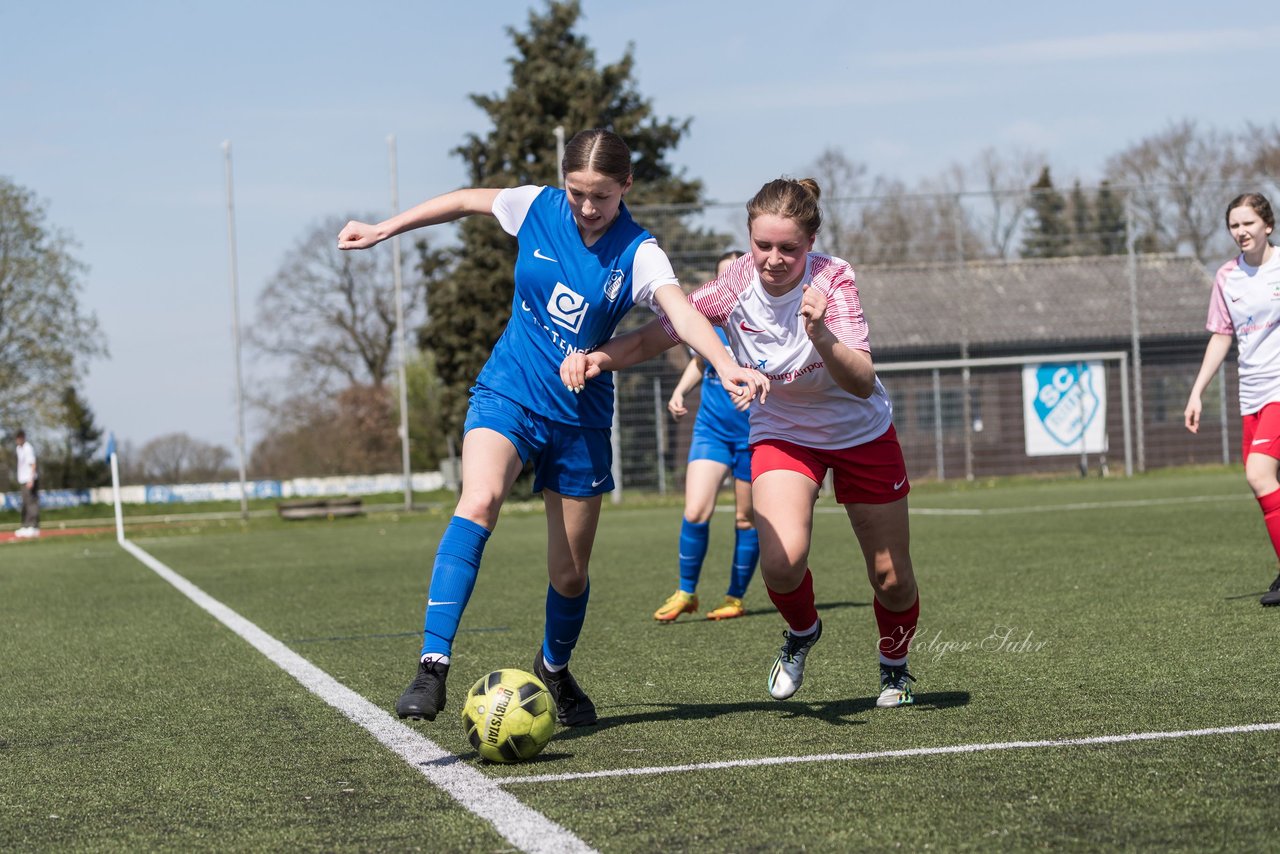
(509, 716)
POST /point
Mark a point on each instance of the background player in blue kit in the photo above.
(582, 264)
(719, 447)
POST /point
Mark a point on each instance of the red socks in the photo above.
(797, 607)
(897, 628)
(1270, 504)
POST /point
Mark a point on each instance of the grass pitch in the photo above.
(1050, 611)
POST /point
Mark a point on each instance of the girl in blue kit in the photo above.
(582, 264)
(719, 447)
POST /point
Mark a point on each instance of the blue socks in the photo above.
(746, 553)
(453, 577)
(693, 550)
(565, 617)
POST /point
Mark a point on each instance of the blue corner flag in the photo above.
(111, 446)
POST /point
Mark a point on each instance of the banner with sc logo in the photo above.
(1064, 408)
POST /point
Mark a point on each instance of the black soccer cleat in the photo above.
(425, 695)
(1272, 597)
(572, 703)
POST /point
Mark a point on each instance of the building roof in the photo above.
(1056, 301)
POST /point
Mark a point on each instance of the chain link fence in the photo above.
(1007, 346)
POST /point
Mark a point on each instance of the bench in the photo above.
(320, 508)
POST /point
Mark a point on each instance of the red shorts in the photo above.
(1265, 426)
(871, 473)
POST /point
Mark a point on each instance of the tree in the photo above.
(80, 464)
(1111, 222)
(841, 180)
(1179, 181)
(332, 314)
(351, 432)
(179, 458)
(46, 337)
(555, 81)
(1048, 235)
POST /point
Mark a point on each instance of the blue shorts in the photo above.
(571, 460)
(706, 445)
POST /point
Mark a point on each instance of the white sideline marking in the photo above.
(1051, 508)
(891, 754)
(523, 827)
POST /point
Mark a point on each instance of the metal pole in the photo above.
(937, 425)
(1135, 333)
(404, 351)
(1125, 420)
(661, 434)
(1084, 448)
(235, 331)
(559, 132)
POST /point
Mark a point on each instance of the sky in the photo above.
(115, 115)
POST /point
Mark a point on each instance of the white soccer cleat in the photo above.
(788, 670)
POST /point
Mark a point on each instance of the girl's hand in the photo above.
(813, 309)
(676, 406)
(743, 385)
(577, 368)
(358, 235)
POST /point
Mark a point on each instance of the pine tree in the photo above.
(555, 81)
(1111, 221)
(1084, 227)
(1048, 235)
(80, 465)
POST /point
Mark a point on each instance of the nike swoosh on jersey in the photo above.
(899, 484)
(537, 253)
(1262, 441)
(743, 326)
(595, 483)
(1236, 299)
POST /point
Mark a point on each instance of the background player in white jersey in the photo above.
(1245, 305)
(794, 314)
(719, 447)
(582, 264)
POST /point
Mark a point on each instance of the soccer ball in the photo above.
(508, 716)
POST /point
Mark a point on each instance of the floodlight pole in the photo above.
(235, 330)
(404, 386)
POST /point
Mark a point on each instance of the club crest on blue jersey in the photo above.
(567, 307)
(614, 286)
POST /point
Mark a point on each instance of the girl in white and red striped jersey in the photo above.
(794, 315)
(1243, 306)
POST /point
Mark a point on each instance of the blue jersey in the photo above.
(569, 297)
(716, 415)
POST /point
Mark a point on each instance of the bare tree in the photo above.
(179, 458)
(1004, 180)
(1179, 181)
(333, 314)
(352, 432)
(841, 180)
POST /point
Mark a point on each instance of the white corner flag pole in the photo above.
(115, 494)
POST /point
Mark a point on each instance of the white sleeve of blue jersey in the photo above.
(650, 271)
(512, 205)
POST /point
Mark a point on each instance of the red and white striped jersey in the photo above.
(805, 406)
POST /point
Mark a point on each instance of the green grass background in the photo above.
(131, 720)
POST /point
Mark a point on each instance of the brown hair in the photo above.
(731, 255)
(1258, 202)
(789, 198)
(597, 150)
